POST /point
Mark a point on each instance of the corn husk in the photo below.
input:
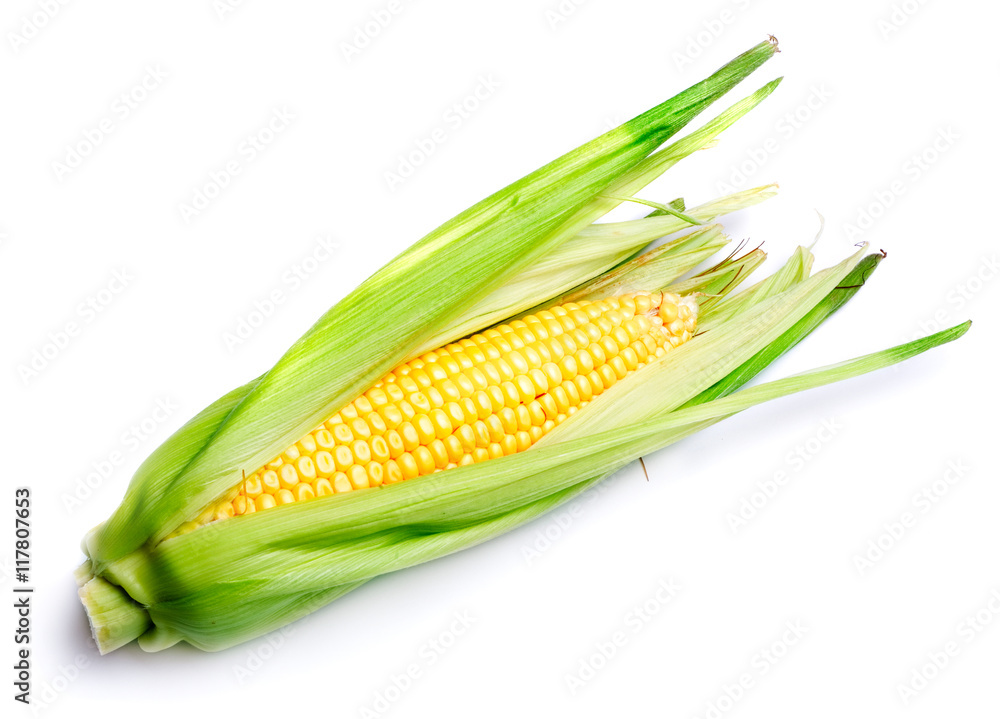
(522, 247)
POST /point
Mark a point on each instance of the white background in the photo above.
(872, 84)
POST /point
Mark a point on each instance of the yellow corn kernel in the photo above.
(393, 473)
(270, 482)
(288, 476)
(358, 476)
(408, 466)
(306, 445)
(379, 449)
(439, 453)
(324, 439)
(342, 434)
(424, 459)
(306, 467)
(453, 446)
(376, 474)
(325, 466)
(324, 487)
(252, 486)
(341, 483)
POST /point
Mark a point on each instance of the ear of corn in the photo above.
(183, 558)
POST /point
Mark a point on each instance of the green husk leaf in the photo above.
(716, 282)
(795, 270)
(847, 288)
(650, 270)
(654, 165)
(609, 245)
(675, 204)
(659, 207)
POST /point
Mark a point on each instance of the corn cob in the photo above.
(487, 396)
(487, 429)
